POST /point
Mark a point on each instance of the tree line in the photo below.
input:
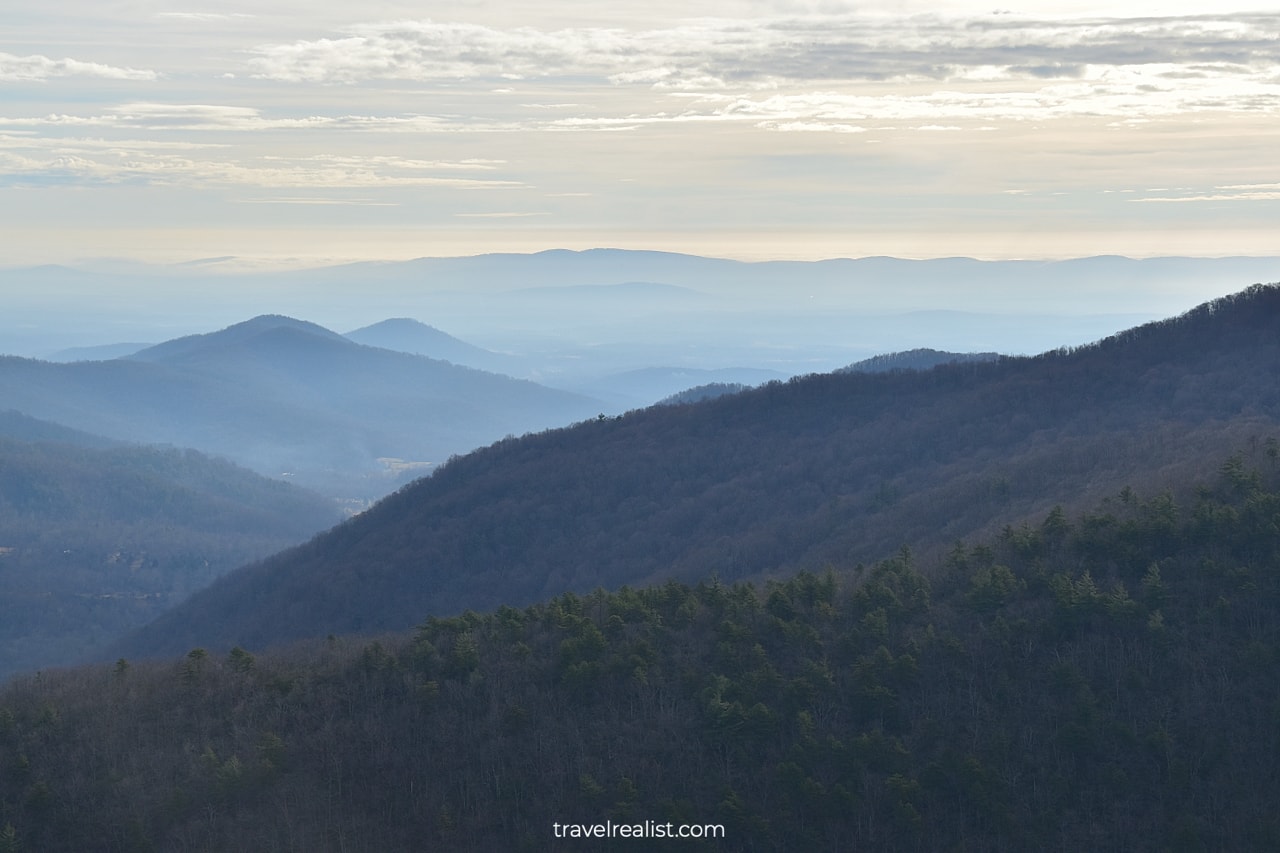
(1100, 680)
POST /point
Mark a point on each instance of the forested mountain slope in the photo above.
(98, 537)
(916, 359)
(283, 396)
(1100, 682)
(19, 427)
(823, 469)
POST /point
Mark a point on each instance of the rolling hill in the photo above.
(286, 397)
(821, 470)
(407, 335)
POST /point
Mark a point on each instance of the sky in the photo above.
(297, 134)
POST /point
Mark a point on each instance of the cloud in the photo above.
(205, 16)
(503, 215)
(825, 73)
(1260, 194)
(319, 200)
(811, 127)
(47, 162)
(36, 68)
(738, 53)
(217, 117)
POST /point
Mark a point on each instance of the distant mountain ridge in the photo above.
(814, 314)
(101, 352)
(412, 336)
(632, 389)
(281, 395)
(827, 468)
(264, 325)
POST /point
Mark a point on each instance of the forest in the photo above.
(1101, 681)
(98, 537)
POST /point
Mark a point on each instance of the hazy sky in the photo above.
(324, 131)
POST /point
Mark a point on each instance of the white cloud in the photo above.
(214, 117)
(1250, 195)
(826, 73)
(738, 53)
(36, 68)
(810, 127)
(503, 215)
(27, 162)
(206, 16)
(319, 200)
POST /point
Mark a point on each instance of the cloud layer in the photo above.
(765, 53)
(770, 119)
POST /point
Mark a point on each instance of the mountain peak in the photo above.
(397, 324)
(235, 334)
(267, 322)
(405, 334)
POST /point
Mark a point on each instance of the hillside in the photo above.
(820, 470)
(98, 537)
(285, 397)
(702, 392)
(1102, 682)
(631, 389)
(100, 352)
(17, 426)
(916, 359)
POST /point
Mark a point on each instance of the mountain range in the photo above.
(584, 314)
(289, 398)
(1100, 678)
(934, 601)
(830, 469)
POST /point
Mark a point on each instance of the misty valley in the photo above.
(633, 538)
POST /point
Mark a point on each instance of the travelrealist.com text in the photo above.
(647, 829)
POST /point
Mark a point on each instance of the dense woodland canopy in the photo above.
(824, 469)
(703, 392)
(1102, 681)
(916, 359)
